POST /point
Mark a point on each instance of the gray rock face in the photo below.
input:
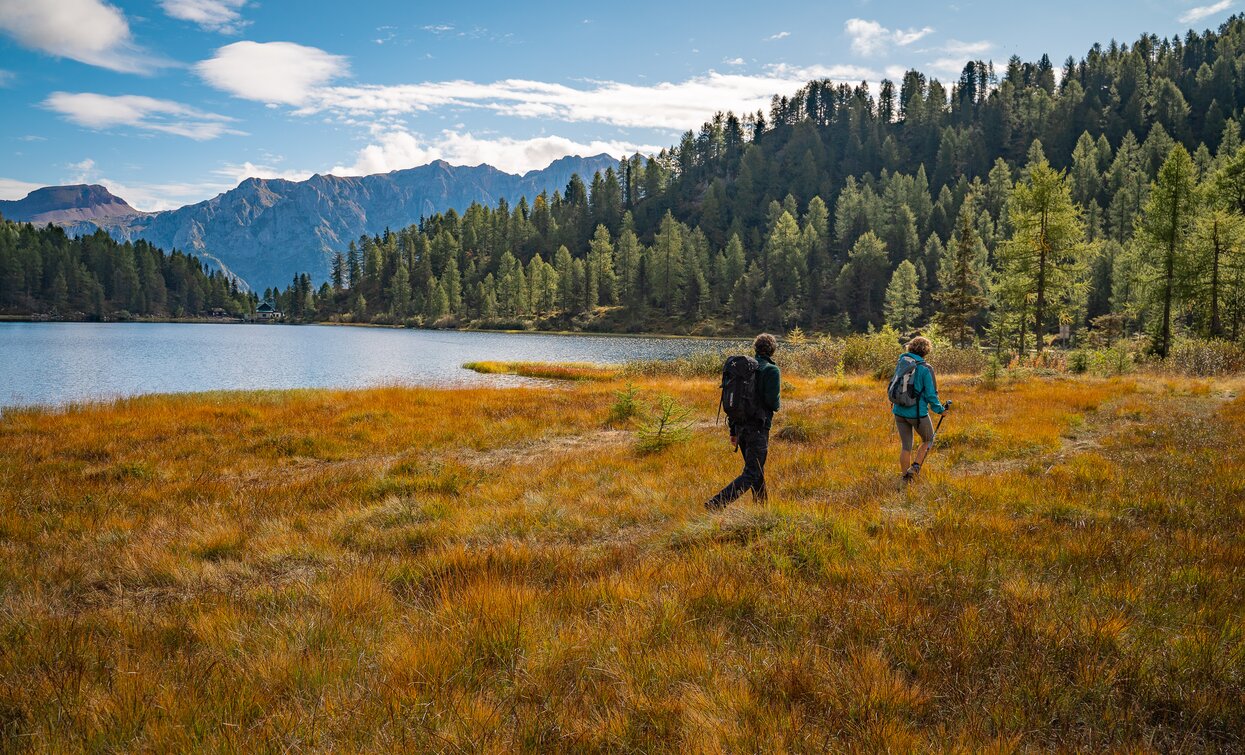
(265, 231)
(66, 205)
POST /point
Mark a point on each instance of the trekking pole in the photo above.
(934, 439)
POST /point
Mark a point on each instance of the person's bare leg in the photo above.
(905, 461)
(923, 451)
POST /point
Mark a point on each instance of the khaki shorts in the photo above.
(905, 425)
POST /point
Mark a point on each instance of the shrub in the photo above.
(1078, 362)
(1116, 360)
(1204, 358)
(955, 360)
(872, 354)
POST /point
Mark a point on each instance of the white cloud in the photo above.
(89, 31)
(956, 55)
(11, 188)
(240, 172)
(214, 15)
(870, 38)
(81, 171)
(1193, 15)
(100, 111)
(397, 149)
(271, 72)
(733, 61)
(967, 49)
(666, 105)
(778, 36)
(438, 28)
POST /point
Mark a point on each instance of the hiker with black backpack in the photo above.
(750, 396)
(913, 392)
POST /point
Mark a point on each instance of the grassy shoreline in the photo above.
(502, 569)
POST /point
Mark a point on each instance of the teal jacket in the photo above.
(926, 393)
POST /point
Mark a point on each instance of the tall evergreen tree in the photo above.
(1166, 230)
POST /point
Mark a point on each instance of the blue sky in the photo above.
(169, 102)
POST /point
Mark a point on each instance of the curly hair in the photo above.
(765, 344)
(920, 346)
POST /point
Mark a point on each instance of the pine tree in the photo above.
(861, 285)
(602, 282)
(961, 279)
(667, 258)
(903, 298)
(628, 254)
(338, 274)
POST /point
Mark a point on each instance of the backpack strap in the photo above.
(933, 378)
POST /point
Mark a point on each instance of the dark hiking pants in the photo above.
(754, 445)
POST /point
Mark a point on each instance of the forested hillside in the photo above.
(42, 270)
(1020, 200)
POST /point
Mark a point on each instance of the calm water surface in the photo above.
(57, 363)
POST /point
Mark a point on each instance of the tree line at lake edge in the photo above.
(1108, 200)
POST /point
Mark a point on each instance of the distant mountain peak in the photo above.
(67, 204)
(266, 230)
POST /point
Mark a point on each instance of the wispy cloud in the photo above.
(7, 78)
(778, 36)
(271, 72)
(955, 55)
(666, 105)
(1193, 15)
(101, 111)
(397, 148)
(438, 28)
(870, 38)
(238, 172)
(11, 188)
(214, 15)
(88, 31)
(733, 61)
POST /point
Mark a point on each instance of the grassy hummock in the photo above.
(546, 370)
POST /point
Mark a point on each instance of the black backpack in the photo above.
(739, 391)
(902, 388)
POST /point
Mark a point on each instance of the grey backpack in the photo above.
(902, 388)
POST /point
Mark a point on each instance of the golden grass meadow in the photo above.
(503, 569)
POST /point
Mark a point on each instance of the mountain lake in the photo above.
(63, 363)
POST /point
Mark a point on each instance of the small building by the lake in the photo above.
(265, 311)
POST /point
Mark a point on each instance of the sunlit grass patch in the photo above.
(547, 371)
(483, 569)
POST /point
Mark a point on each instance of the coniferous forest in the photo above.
(44, 271)
(1018, 206)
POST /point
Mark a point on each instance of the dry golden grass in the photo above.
(498, 569)
(547, 370)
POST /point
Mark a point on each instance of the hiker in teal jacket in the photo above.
(916, 417)
(753, 440)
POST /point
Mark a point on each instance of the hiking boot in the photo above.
(910, 474)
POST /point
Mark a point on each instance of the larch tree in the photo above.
(1046, 259)
(1165, 235)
